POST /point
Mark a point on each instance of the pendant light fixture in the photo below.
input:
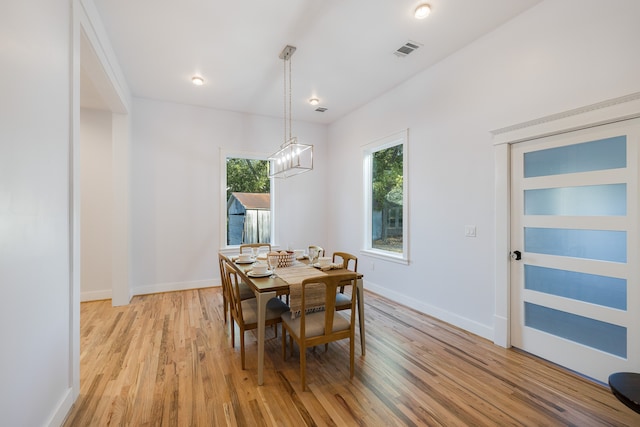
(292, 158)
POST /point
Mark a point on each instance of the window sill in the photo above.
(387, 256)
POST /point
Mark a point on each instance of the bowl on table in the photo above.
(259, 268)
(244, 258)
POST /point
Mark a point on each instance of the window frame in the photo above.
(398, 138)
(224, 154)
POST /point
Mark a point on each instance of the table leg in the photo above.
(360, 301)
(262, 298)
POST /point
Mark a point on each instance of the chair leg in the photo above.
(291, 344)
(303, 367)
(351, 352)
(233, 333)
(225, 308)
(242, 348)
(284, 343)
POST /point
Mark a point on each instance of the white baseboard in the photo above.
(175, 286)
(62, 410)
(462, 322)
(95, 295)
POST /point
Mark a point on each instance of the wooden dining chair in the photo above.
(245, 312)
(254, 245)
(349, 262)
(313, 319)
(245, 291)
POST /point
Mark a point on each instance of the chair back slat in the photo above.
(254, 245)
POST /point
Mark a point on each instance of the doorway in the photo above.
(574, 243)
(105, 120)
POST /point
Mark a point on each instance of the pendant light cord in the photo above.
(290, 110)
(284, 63)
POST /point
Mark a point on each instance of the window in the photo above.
(385, 190)
(246, 199)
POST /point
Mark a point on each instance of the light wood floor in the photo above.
(166, 360)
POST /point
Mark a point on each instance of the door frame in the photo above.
(605, 112)
(99, 61)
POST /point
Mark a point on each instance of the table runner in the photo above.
(295, 274)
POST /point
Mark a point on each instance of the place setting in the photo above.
(245, 259)
(260, 269)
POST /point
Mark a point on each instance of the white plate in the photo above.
(251, 261)
(265, 274)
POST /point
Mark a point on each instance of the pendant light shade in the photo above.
(291, 159)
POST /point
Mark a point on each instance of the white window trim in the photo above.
(224, 154)
(398, 138)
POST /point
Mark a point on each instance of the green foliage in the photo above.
(387, 177)
(247, 176)
(386, 183)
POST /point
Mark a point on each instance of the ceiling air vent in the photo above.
(406, 49)
(321, 109)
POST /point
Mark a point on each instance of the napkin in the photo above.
(332, 266)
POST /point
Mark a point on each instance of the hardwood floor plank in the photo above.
(167, 360)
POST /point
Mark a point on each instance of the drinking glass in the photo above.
(313, 256)
(262, 250)
(272, 260)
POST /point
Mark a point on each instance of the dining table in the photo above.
(271, 286)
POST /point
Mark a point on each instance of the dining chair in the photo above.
(245, 312)
(254, 245)
(349, 262)
(245, 290)
(313, 319)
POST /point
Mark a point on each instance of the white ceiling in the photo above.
(345, 48)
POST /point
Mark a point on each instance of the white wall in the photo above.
(560, 55)
(176, 190)
(35, 309)
(96, 211)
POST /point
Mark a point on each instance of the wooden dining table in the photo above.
(267, 287)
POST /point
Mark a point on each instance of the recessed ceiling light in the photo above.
(197, 80)
(422, 11)
(314, 101)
